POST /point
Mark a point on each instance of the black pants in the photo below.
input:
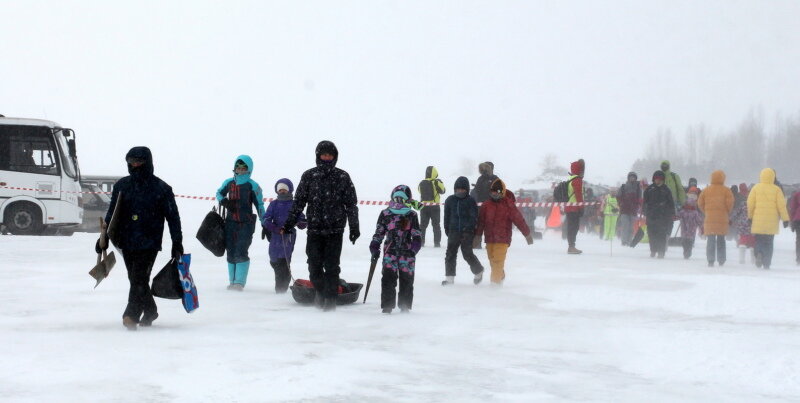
(796, 226)
(397, 267)
(658, 230)
(282, 274)
(688, 245)
(428, 214)
(323, 253)
(715, 249)
(764, 246)
(463, 240)
(573, 224)
(140, 299)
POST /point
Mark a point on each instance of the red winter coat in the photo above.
(495, 219)
(794, 207)
(576, 186)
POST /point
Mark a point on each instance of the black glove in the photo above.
(97, 247)
(227, 203)
(615, 210)
(177, 249)
(786, 224)
(354, 234)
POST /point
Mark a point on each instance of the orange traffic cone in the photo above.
(554, 220)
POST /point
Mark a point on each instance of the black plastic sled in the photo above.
(303, 294)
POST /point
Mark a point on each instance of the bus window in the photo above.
(29, 150)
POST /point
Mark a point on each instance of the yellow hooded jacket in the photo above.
(766, 205)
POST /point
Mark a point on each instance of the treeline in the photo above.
(742, 152)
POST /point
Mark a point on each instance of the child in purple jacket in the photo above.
(400, 226)
(281, 246)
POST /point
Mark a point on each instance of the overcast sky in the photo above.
(396, 85)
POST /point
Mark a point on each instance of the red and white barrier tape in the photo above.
(360, 202)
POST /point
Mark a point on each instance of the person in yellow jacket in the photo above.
(716, 203)
(610, 215)
(430, 190)
(766, 207)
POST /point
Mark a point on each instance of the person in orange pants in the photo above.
(494, 223)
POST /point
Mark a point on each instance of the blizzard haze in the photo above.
(396, 85)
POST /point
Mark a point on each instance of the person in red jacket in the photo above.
(494, 222)
(574, 213)
(794, 214)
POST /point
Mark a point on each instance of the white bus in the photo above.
(39, 177)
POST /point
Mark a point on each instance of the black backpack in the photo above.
(561, 192)
(427, 190)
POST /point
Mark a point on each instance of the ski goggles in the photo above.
(135, 160)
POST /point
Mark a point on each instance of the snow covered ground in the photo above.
(563, 328)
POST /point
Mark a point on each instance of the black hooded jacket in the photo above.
(460, 213)
(145, 202)
(658, 202)
(329, 194)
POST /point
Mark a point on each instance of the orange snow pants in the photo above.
(497, 259)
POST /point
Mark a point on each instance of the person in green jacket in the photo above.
(610, 214)
(674, 184)
(430, 190)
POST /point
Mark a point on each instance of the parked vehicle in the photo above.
(104, 182)
(95, 206)
(39, 177)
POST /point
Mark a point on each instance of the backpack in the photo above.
(561, 192)
(427, 190)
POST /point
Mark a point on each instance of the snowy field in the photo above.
(563, 328)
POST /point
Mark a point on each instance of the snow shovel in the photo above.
(104, 265)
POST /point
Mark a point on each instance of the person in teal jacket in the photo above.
(238, 195)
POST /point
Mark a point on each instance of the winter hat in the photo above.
(282, 186)
(577, 167)
(284, 183)
(461, 183)
(497, 188)
(146, 169)
(658, 174)
(633, 175)
(326, 147)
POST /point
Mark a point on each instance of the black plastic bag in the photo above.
(167, 283)
(211, 233)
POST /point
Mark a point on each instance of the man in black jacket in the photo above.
(481, 190)
(659, 208)
(332, 202)
(145, 201)
(460, 220)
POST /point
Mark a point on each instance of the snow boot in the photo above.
(240, 276)
(386, 311)
(478, 278)
(147, 320)
(758, 260)
(710, 264)
(129, 322)
(330, 304)
(319, 300)
(574, 251)
(231, 273)
(449, 280)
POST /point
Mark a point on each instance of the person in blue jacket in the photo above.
(281, 246)
(238, 195)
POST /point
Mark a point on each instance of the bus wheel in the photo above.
(24, 219)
